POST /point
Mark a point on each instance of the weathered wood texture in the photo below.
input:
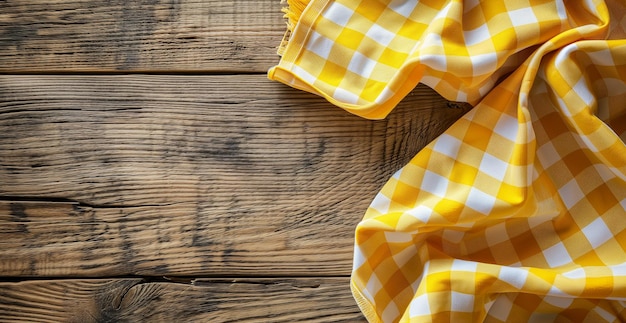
(200, 300)
(151, 36)
(193, 175)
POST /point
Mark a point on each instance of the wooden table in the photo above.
(149, 171)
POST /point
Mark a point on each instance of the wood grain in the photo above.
(67, 240)
(198, 300)
(191, 175)
(135, 140)
(139, 36)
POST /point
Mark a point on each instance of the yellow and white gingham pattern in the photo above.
(365, 56)
(518, 211)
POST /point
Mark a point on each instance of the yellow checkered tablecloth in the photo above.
(518, 211)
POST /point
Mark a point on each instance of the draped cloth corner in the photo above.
(517, 212)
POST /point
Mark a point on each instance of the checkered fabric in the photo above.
(517, 212)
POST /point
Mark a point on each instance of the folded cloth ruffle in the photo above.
(518, 211)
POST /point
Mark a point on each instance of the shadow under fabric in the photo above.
(518, 211)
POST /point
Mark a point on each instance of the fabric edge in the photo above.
(367, 309)
(293, 10)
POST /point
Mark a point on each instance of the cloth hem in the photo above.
(364, 304)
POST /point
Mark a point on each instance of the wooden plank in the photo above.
(199, 300)
(138, 36)
(65, 240)
(193, 175)
(134, 140)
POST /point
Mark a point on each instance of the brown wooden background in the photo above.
(149, 171)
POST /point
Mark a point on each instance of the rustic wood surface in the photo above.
(141, 36)
(202, 192)
(197, 300)
(188, 175)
